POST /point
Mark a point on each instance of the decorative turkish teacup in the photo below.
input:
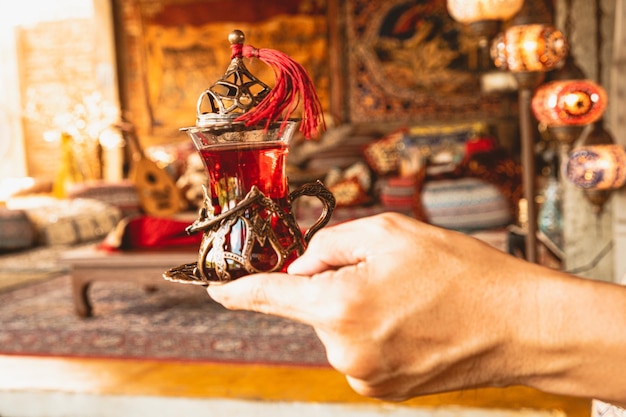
(242, 133)
(247, 220)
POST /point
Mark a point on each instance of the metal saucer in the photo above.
(184, 274)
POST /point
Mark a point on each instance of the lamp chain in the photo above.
(568, 19)
(599, 41)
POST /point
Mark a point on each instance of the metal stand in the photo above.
(527, 82)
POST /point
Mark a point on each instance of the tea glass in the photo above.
(247, 220)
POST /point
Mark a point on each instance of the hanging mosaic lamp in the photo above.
(600, 167)
(569, 102)
(483, 19)
(529, 48)
(598, 163)
(467, 11)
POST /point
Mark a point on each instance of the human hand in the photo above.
(403, 308)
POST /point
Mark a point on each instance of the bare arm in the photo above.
(407, 309)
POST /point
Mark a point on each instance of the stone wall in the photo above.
(585, 233)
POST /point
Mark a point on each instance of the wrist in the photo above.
(572, 336)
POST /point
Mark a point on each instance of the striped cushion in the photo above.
(465, 204)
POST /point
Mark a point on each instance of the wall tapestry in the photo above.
(172, 50)
(407, 60)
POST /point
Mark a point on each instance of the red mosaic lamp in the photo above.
(569, 102)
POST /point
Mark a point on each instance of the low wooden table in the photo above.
(89, 264)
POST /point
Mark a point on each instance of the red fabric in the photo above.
(292, 84)
(480, 144)
(147, 232)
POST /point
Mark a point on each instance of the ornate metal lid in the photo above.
(237, 92)
(239, 100)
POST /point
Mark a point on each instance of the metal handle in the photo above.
(319, 190)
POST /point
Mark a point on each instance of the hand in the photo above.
(396, 302)
(404, 309)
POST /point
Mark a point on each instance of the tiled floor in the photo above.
(56, 387)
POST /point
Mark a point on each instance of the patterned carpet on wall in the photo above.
(175, 322)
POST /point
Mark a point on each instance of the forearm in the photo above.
(575, 337)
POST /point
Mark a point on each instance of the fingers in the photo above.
(297, 295)
(289, 296)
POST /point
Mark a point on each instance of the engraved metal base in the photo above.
(263, 226)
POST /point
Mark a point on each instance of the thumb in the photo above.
(331, 248)
(289, 296)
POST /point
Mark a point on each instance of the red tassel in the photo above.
(292, 85)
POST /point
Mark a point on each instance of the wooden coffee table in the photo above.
(89, 264)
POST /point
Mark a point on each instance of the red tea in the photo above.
(233, 170)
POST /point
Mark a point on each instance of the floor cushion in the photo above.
(16, 230)
(465, 204)
(68, 221)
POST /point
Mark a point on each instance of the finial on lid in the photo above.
(236, 36)
(237, 92)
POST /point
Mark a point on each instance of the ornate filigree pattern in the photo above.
(257, 216)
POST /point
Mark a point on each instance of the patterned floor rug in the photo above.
(177, 322)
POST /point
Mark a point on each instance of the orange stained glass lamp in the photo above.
(569, 103)
(529, 48)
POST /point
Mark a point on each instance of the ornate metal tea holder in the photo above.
(256, 217)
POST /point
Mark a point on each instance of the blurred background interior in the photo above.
(422, 118)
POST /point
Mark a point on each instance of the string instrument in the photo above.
(157, 190)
